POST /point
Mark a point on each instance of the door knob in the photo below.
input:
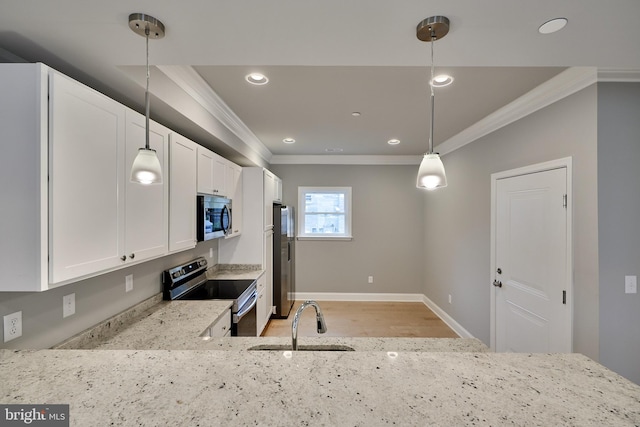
(497, 283)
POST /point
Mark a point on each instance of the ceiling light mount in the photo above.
(140, 22)
(432, 28)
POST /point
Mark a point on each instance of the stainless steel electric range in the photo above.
(189, 282)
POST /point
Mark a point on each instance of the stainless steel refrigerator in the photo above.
(283, 260)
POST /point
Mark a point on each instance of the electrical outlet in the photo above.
(630, 284)
(370, 279)
(210, 252)
(68, 305)
(12, 326)
(449, 298)
(128, 283)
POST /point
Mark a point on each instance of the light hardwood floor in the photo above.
(365, 319)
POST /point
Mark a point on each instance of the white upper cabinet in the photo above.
(277, 190)
(183, 158)
(73, 212)
(205, 170)
(146, 206)
(214, 174)
(236, 195)
(220, 166)
(268, 191)
(86, 198)
(24, 129)
(99, 219)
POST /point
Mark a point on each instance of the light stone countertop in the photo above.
(211, 388)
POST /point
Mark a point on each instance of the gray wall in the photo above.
(619, 225)
(97, 299)
(387, 228)
(458, 224)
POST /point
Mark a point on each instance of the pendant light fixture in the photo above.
(431, 173)
(146, 167)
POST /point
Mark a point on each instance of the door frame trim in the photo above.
(567, 163)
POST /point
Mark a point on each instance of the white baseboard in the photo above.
(340, 296)
(457, 328)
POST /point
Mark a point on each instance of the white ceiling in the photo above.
(326, 59)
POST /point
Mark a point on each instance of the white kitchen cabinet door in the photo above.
(86, 212)
(146, 206)
(205, 170)
(220, 176)
(262, 306)
(277, 190)
(183, 158)
(222, 326)
(269, 185)
(268, 274)
(236, 196)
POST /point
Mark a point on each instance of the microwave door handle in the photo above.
(223, 211)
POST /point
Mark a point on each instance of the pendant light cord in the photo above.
(146, 93)
(433, 38)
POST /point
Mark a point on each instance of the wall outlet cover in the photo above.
(128, 283)
(370, 280)
(12, 326)
(68, 305)
(630, 284)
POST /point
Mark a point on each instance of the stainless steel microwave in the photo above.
(213, 217)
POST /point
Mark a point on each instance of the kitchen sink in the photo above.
(285, 347)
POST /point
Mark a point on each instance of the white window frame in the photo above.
(302, 192)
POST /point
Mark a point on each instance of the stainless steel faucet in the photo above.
(322, 326)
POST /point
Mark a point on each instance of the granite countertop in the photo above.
(206, 388)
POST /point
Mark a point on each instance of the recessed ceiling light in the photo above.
(442, 80)
(356, 114)
(552, 25)
(257, 79)
(288, 140)
(393, 142)
(334, 150)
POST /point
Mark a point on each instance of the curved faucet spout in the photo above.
(321, 325)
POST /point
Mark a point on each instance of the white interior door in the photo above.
(531, 268)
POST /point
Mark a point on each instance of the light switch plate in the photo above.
(68, 305)
(630, 284)
(12, 326)
(128, 283)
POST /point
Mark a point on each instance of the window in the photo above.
(324, 213)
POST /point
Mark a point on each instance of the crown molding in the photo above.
(619, 75)
(193, 84)
(349, 159)
(564, 84)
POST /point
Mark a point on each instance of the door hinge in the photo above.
(564, 297)
(564, 201)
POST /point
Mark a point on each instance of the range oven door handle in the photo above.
(246, 308)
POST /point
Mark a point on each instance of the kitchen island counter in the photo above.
(160, 387)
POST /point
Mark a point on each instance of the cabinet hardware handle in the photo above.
(132, 256)
(123, 257)
(497, 283)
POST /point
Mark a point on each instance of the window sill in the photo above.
(343, 238)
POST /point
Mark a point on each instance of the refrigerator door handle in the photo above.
(288, 251)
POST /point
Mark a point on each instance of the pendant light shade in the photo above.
(431, 173)
(146, 167)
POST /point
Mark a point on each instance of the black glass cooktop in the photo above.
(218, 289)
